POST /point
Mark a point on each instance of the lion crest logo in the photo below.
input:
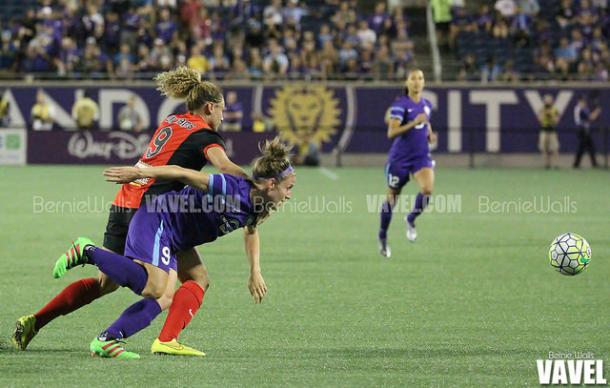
(305, 110)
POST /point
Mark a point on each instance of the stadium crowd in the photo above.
(523, 39)
(228, 39)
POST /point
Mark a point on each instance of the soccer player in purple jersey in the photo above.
(409, 128)
(210, 207)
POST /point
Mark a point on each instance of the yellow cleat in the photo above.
(174, 348)
(25, 331)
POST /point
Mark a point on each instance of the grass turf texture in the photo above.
(473, 302)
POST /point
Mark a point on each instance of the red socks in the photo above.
(187, 301)
(73, 297)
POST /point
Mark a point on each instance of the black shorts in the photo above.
(117, 228)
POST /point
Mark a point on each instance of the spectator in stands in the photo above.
(345, 54)
(165, 27)
(255, 68)
(329, 58)
(485, 20)
(565, 15)
(219, 62)
(42, 113)
(521, 28)
(366, 62)
(85, 112)
(272, 15)
(566, 51)
(308, 151)
(383, 67)
(261, 123)
(198, 61)
(325, 35)
(276, 62)
(378, 20)
(584, 117)
(239, 71)
(548, 143)
(491, 71)
(233, 113)
(93, 61)
(292, 14)
(8, 52)
(344, 16)
(125, 62)
(366, 36)
(161, 57)
(442, 19)
(129, 117)
(506, 8)
(530, 7)
(509, 74)
(469, 70)
(403, 49)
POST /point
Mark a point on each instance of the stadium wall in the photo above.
(346, 118)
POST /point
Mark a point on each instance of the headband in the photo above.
(289, 170)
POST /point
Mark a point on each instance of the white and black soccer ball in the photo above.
(569, 254)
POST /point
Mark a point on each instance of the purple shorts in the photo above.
(148, 241)
(397, 174)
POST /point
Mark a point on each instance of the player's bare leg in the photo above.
(425, 180)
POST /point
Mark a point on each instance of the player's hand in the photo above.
(257, 287)
(421, 118)
(122, 174)
(432, 137)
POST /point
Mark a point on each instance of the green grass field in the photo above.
(473, 302)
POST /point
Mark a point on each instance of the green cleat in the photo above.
(25, 331)
(73, 257)
(111, 349)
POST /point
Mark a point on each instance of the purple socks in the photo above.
(119, 268)
(386, 217)
(421, 201)
(137, 317)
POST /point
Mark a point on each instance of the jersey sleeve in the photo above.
(397, 110)
(223, 185)
(208, 140)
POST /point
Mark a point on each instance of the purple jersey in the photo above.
(180, 220)
(225, 207)
(412, 144)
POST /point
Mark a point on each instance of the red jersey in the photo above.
(182, 140)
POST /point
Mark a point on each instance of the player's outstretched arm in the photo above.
(218, 157)
(129, 174)
(256, 283)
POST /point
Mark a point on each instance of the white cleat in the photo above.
(411, 232)
(384, 248)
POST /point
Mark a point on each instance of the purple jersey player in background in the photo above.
(409, 127)
(210, 207)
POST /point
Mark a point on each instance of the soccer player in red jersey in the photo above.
(188, 140)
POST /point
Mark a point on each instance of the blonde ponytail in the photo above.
(186, 83)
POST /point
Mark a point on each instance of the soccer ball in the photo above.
(570, 254)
